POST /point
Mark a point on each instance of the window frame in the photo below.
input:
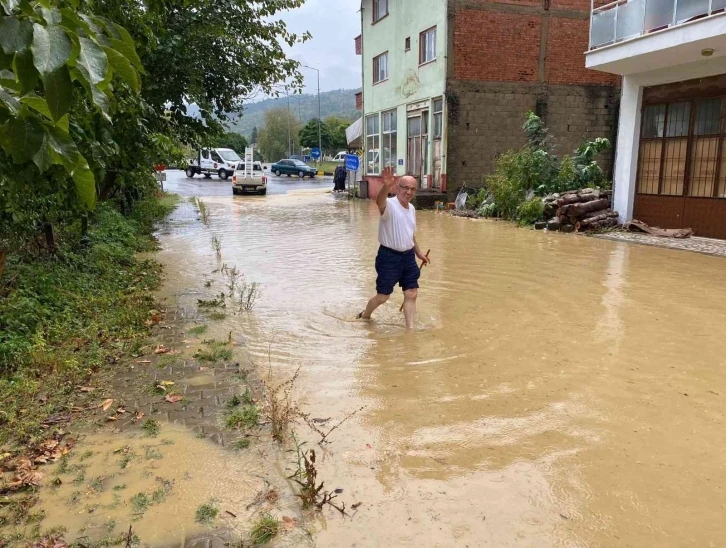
(421, 44)
(376, 7)
(438, 118)
(377, 73)
(391, 135)
(376, 165)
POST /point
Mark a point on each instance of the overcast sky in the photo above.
(334, 24)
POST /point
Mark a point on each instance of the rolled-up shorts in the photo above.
(396, 267)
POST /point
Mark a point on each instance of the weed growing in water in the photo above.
(86, 455)
(203, 211)
(151, 428)
(80, 478)
(265, 529)
(110, 525)
(119, 487)
(248, 294)
(153, 454)
(217, 316)
(280, 409)
(75, 498)
(62, 467)
(246, 417)
(217, 302)
(140, 502)
(207, 513)
(217, 246)
(198, 330)
(241, 444)
(96, 484)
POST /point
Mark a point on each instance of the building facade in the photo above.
(461, 75)
(670, 168)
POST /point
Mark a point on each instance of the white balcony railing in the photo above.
(626, 19)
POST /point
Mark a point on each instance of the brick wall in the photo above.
(512, 56)
(488, 117)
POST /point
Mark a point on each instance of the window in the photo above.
(380, 9)
(427, 46)
(205, 154)
(373, 143)
(390, 139)
(380, 68)
(438, 118)
(230, 155)
(408, 44)
(216, 158)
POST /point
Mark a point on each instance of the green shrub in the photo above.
(530, 211)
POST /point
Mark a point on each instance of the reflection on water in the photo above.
(560, 391)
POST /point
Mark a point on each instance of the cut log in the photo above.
(568, 199)
(595, 213)
(594, 220)
(567, 228)
(606, 223)
(553, 225)
(580, 209)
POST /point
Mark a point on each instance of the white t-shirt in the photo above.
(397, 225)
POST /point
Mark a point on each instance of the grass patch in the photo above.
(215, 352)
(140, 502)
(119, 487)
(151, 428)
(240, 445)
(153, 454)
(207, 513)
(68, 316)
(167, 361)
(265, 529)
(245, 417)
(217, 315)
(198, 330)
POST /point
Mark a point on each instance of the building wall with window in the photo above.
(404, 78)
(507, 58)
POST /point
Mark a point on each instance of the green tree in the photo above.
(279, 135)
(232, 140)
(337, 126)
(309, 135)
(253, 137)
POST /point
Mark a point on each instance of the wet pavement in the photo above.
(179, 183)
(558, 391)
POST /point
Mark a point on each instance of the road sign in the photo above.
(315, 153)
(306, 158)
(352, 162)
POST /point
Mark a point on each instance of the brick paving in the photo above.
(708, 246)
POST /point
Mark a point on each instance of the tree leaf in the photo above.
(92, 61)
(45, 157)
(64, 123)
(25, 71)
(125, 36)
(37, 103)
(26, 138)
(129, 52)
(15, 35)
(60, 141)
(51, 48)
(110, 27)
(6, 61)
(122, 66)
(9, 5)
(85, 184)
(10, 102)
(58, 91)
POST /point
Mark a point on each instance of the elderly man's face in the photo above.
(407, 187)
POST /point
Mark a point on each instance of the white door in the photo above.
(206, 159)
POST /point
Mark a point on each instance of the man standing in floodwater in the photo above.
(396, 259)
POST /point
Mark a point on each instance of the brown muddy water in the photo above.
(558, 391)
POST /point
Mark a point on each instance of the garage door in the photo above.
(682, 166)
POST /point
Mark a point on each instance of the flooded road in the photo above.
(558, 390)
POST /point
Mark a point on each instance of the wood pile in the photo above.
(580, 210)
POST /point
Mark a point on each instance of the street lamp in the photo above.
(320, 139)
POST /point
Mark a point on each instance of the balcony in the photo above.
(626, 19)
(667, 39)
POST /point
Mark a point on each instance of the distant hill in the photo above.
(339, 102)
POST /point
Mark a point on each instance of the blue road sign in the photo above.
(306, 158)
(352, 162)
(315, 153)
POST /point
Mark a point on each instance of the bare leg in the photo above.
(374, 303)
(409, 307)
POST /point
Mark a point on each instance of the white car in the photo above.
(340, 157)
(209, 161)
(243, 182)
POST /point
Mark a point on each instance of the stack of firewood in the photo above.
(580, 210)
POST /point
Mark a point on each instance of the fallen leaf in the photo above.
(112, 418)
(290, 523)
(161, 349)
(121, 410)
(138, 416)
(106, 404)
(86, 389)
(204, 369)
(173, 398)
(143, 361)
(50, 542)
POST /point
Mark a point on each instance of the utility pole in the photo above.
(320, 138)
(289, 134)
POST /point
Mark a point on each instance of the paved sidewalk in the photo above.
(708, 246)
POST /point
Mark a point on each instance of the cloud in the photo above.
(334, 24)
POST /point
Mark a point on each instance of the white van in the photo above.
(340, 157)
(220, 161)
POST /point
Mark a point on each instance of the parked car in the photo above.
(243, 182)
(293, 167)
(340, 157)
(220, 161)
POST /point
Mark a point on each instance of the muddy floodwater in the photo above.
(558, 390)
